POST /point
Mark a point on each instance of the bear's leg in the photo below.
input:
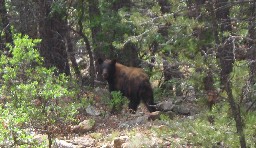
(146, 95)
(133, 105)
(147, 99)
(150, 105)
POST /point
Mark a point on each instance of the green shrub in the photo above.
(199, 132)
(34, 96)
(116, 101)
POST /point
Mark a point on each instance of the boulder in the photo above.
(119, 141)
(83, 126)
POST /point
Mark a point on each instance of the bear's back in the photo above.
(129, 80)
(131, 72)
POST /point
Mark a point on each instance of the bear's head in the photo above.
(108, 68)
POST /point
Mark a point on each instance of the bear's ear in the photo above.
(100, 61)
(113, 61)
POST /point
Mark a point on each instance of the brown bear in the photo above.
(132, 82)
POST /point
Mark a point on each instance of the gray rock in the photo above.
(119, 141)
(62, 144)
(142, 140)
(181, 109)
(101, 92)
(83, 126)
(85, 141)
(92, 111)
(165, 105)
(131, 123)
(78, 142)
(154, 115)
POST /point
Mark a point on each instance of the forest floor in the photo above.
(125, 130)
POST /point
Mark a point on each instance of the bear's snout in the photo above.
(105, 75)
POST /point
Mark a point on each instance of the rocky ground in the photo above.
(99, 128)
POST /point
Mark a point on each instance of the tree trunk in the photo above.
(226, 58)
(251, 55)
(94, 17)
(225, 50)
(236, 114)
(6, 27)
(27, 12)
(52, 32)
(71, 54)
(129, 55)
(87, 44)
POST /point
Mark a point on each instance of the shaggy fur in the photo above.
(131, 82)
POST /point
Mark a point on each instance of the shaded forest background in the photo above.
(207, 46)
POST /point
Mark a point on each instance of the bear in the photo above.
(132, 82)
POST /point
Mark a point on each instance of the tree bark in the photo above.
(6, 27)
(236, 114)
(226, 58)
(71, 54)
(94, 17)
(52, 32)
(251, 55)
(130, 55)
(87, 43)
(225, 50)
(27, 12)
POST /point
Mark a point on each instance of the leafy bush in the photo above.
(199, 132)
(116, 101)
(32, 95)
(11, 120)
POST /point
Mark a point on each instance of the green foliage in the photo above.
(250, 129)
(116, 101)
(11, 122)
(200, 132)
(164, 117)
(188, 39)
(114, 27)
(208, 129)
(34, 95)
(59, 7)
(239, 75)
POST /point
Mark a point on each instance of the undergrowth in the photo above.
(208, 129)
